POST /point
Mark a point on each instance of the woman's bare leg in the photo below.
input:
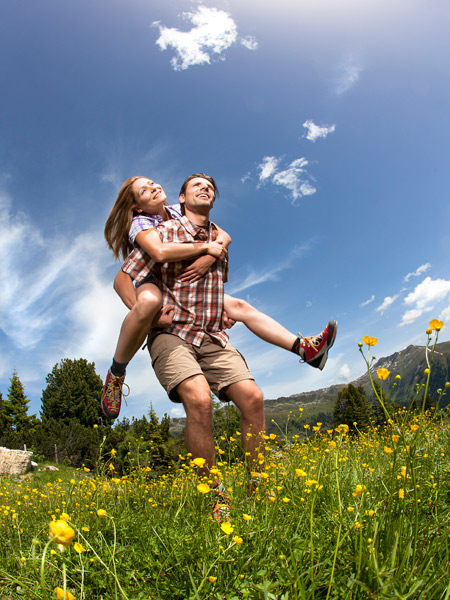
(137, 323)
(259, 323)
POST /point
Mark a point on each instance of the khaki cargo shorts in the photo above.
(174, 360)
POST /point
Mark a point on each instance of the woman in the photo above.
(140, 207)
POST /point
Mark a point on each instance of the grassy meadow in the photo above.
(333, 516)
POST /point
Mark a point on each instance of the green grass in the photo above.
(313, 533)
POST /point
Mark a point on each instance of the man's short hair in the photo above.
(203, 176)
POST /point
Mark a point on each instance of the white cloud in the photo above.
(424, 298)
(267, 273)
(315, 131)
(422, 269)
(386, 303)
(268, 167)
(294, 177)
(366, 302)
(250, 43)
(348, 74)
(177, 412)
(445, 315)
(213, 32)
(344, 373)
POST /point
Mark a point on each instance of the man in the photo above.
(193, 355)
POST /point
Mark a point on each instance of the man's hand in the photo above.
(164, 317)
(227, 322)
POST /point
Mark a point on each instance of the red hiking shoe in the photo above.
(315, 348)
(112, 395)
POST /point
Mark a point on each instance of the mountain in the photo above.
(283, 414)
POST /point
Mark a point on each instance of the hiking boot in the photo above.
(315, 348)
(222, 509)
(112, 395)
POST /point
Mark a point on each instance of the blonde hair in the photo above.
(119, 221)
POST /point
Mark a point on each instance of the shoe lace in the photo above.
(313, 340)
(117, 383)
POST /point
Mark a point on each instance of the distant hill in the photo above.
(283, 413)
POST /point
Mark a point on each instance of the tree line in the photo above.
(72, 429)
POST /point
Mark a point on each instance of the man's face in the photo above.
(199, 194)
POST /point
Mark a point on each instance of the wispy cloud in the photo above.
(422, 269)
(316, 132)
(268, 273)
(366, 302)
(386, 303)
(213, 32)
(294, 177)
(424, 298)
(347, 75)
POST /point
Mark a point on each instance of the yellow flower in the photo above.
(113, 452)
(61, 595)
(203, 488)
(359, 490)
(78, 548)
(286, 500)
(247, 517)
(199, 462)
(212, 579)
(401, 493)
(383, 374)
(272, 436)
(237, 540)
(370, 341)
(395, 438)
(388, 450)
(436, 325)
(95, 426)
(86, 469)
(310, 482)
(350, 508)
(357, 525)
(332, 444)
(414, 427)
(65, 516)
(403, 471)
(370, 512)
(61, 532)
(101, 513)
(85, 529)
(427, 371)
(428, 331)
(300, 473)
(227, 527)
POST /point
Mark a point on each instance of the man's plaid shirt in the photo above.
(199, 304)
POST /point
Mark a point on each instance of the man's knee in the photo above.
(195, 395)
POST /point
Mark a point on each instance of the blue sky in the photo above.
(325, 124)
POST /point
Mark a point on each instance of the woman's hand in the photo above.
(216, 249)
(197, 269)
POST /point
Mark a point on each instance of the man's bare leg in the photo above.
(248, 398)
(195, 395)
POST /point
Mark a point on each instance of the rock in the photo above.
(14, 462)
(33, 465)
(50, 468)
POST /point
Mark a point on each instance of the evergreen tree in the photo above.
(3, 419)
(352, 406)
(16, 407)
(73, 392)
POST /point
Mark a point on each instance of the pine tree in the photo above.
(73, 392)
(352, 406)
(16, 407)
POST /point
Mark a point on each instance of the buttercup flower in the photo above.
(247, 517)
(78, 548)
(383, 374)
(227, 527)
(199, 462)
(401, 494)
(237, 539)
(61, 532)
(212, 579)
(203, 488)
(59, 593)
(101, 513)
(359, 490)
(436, 325)
(370, 341)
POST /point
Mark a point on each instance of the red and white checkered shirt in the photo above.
(199, 304)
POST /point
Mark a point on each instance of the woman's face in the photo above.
(148, 195)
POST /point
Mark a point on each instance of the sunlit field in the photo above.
(330, 516)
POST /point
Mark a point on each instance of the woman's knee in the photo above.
(148, 302)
